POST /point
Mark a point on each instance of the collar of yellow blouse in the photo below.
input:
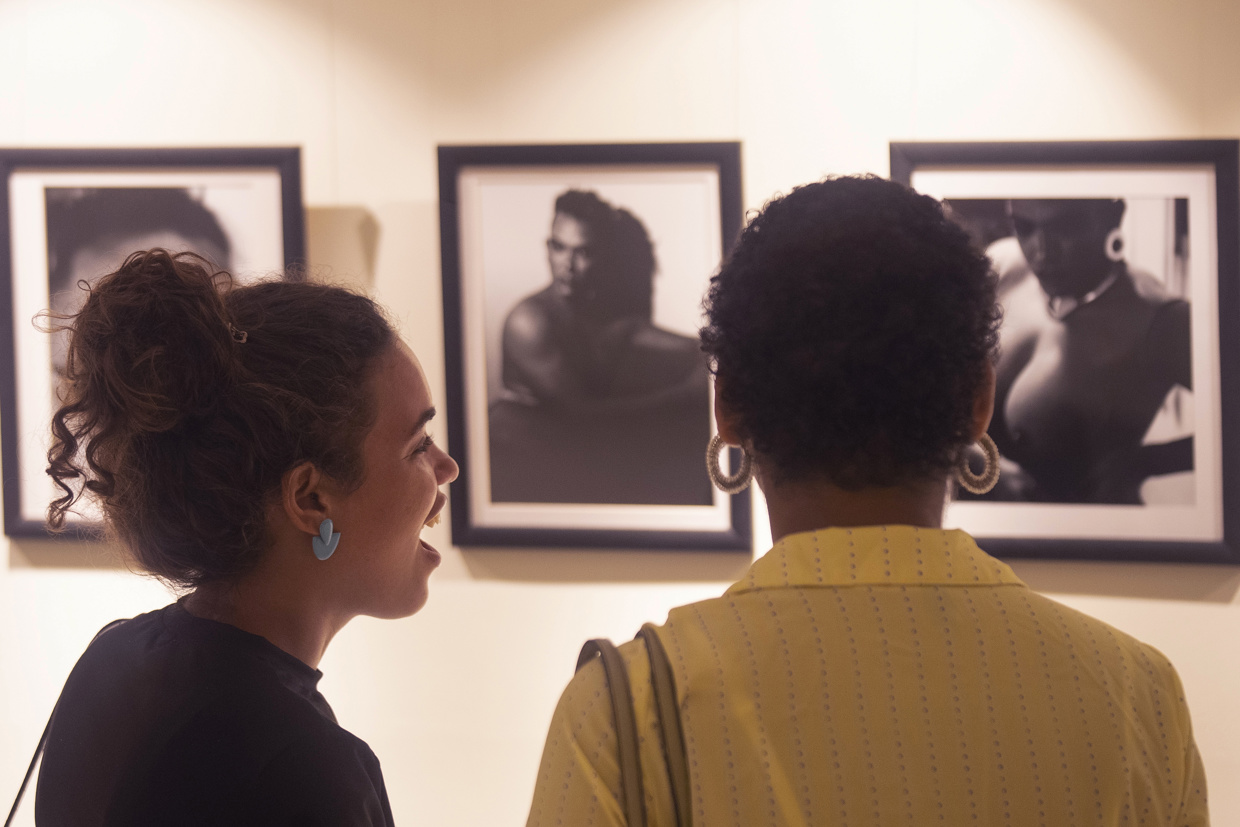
(876, 555)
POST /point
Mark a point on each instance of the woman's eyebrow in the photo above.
(427, 416)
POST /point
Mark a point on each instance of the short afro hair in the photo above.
(850, 330)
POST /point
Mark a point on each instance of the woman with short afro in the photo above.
(872, 668)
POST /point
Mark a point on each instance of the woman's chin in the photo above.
(408, 604)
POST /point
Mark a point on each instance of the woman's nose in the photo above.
(446, 470)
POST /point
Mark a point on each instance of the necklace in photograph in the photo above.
(1061, 307)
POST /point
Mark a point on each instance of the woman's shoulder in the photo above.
(242, 759)
(121, 649)
(267, 749)
(1112, 652)
(181, 709)
(165, 670)
(169, 646)
(1151, 289)
(1163, 325)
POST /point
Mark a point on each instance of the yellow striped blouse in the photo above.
(888, 675)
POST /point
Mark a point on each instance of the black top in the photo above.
(172, 719)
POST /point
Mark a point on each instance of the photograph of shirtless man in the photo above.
(598, 403)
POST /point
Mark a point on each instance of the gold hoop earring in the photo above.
(736, 483)
(979, 483)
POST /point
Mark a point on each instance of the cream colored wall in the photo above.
(455, 701)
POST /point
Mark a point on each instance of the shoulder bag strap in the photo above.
(669, 724)
(38, 753)
(632, 795)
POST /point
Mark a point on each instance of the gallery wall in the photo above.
(455, 700)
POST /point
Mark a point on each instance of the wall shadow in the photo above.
(342, 246)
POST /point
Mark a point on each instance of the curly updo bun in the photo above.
(187, 397)
(849, 330)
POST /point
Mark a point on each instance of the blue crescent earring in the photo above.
(325, 544)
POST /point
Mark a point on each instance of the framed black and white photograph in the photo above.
(1117, 405)
(579, 401)
(69, 216)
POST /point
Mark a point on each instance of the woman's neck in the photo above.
(279, 615)
(799, 506)
(1060, 307)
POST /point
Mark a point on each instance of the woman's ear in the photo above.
(304, 497)
(726, 422)
(984, 402)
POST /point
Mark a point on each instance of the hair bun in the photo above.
(152, 342)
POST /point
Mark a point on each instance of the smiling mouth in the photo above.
(437, 514)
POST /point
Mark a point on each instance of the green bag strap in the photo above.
(632, 795)
(669, 723)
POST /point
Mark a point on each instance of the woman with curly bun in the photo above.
(265, 449)
(872, 668)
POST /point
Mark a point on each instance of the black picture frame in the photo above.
(504, 196)
(253, 196)
(1198, 182)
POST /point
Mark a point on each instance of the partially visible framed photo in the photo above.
(1117, 410)
(579, 401)
(73, 215)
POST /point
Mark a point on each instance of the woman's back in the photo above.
(170, 718)
(889, 675)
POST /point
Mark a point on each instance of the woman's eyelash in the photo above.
(424, 445)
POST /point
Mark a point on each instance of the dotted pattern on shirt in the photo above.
(896, 676)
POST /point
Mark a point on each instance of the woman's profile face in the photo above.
(382, 560)
(1064, 240)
